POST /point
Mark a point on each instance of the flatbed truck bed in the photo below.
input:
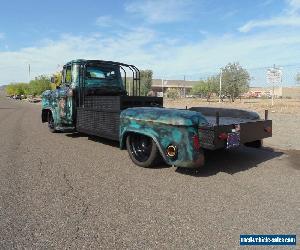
(230, 128)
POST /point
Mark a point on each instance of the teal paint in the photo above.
(166, 127)
(60, 104)
(176, 135)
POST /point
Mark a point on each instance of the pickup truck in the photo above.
(95, 98)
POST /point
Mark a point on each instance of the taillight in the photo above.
(223, 136)
(268, 129)
(196, 142)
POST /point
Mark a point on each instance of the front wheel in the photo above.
(142, 150)
(51, 124)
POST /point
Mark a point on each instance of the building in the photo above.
(290, 92)
(183, 87)
(279, 92)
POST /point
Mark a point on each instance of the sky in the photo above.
(172, 37)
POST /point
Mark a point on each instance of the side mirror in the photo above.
(52, 79)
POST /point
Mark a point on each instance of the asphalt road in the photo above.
(72, 191)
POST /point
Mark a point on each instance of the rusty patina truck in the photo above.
(95, 98)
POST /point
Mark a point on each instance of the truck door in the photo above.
(65, 101)
(95, 101)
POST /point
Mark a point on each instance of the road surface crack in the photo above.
(70, 187)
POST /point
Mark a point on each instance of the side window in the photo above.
(75, 74)
(68, 78)
(63, 76)
(97, 76)
(95, 73)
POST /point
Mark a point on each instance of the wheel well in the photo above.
(45, 113)
(126, 134)
(124, 138)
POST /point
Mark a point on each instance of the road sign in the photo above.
(160, 94)
(274, 76)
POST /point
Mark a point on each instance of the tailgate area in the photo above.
(213, 137)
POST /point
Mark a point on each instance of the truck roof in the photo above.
(112, 63)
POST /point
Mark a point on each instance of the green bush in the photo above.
(172, 93)
(34, 87)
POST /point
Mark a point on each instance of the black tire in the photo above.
(51, 124)
(142, 150)
(254, 144)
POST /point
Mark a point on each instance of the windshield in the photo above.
(103, 76)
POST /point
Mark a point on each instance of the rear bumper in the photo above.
(249, 132)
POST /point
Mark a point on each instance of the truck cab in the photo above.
(91, 96)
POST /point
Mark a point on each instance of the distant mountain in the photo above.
(2, 87)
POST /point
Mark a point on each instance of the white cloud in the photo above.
(289, 17)
(215, 52)
(146, 49)
(45, 58)
(157, 11)
(104, 21)
(276, 21)
(266, 2)
(229, 14)
(294, 5)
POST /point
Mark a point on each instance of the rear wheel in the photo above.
(51, 124)
(254, 144)
(142, 150)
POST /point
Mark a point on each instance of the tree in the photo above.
(22, 89)
(10, 89)
(146, 81)
(206, 87)
(172, 93)
(39, 85)
(298, 78)
(57, 80)
(235, 80)
(199, 88)
(34, 87)
(17, 89)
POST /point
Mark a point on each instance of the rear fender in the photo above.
(151, 135)
(165, 135)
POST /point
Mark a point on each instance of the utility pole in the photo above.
(29, 72)
(274, 76)
(220, 94)
(273, 88)
(162, 87)
(184, 93)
